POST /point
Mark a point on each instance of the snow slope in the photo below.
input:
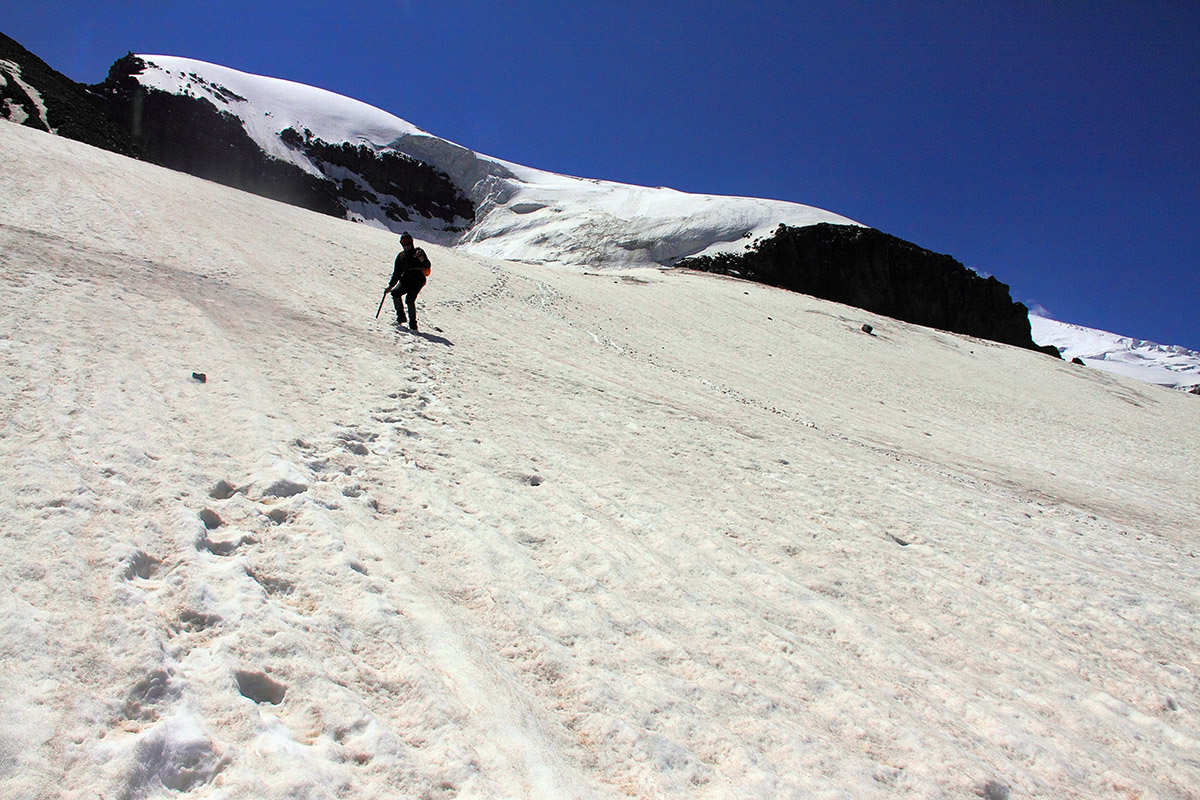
(1172, 366)
(638, 533)
(523, 214)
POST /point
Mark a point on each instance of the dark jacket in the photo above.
(410, 268)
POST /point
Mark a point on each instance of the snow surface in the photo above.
(634, 533)
(1172, 366)
(523, 214)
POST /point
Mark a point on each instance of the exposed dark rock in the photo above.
(428, 191)
(70, 110)
(190, 134)
(868, 269)
(1079, 361)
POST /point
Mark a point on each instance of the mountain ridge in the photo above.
(1169, 366)
(59, 105)
(868, 269)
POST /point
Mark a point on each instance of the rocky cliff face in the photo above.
(35, 95)
(872, 270)
(385, 174)
(192, 135)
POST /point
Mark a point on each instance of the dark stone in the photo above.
(190, 134)
(993, 790)
(872, 270)
(71, 109)
(422, 188)
(1079, 361)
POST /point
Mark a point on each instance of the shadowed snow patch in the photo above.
(174, 754)
(260, 688)
(285, 487)
(140, 565)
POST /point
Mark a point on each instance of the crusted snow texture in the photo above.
(641, 533)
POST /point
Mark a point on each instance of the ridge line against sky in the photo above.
(1051, 144)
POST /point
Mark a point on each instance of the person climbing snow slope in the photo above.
(408, 278)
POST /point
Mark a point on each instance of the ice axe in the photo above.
(385, 294)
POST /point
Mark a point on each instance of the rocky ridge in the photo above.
(875, 271)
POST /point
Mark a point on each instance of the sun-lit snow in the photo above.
(635, 533)
(524, 214)
(1171, 366)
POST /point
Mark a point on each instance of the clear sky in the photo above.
(1052, 144)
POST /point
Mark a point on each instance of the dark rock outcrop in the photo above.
(190, 134)
(868, 269)
(421, 187)
(61, 105)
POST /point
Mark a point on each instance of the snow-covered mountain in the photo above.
(521, 213)
(530, 215)
(371, 166)
(647, 533)
(1171, 366)
(338, 155)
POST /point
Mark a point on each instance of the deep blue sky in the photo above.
(1053, 144)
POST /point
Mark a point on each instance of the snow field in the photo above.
(634, 533)
(1172, 366)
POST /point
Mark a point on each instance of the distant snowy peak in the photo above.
(520, 213)
(268, 106)
(1172, 366)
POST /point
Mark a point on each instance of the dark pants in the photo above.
(406, 293)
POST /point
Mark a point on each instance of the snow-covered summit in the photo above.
(1172, 366)
(522, 214)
